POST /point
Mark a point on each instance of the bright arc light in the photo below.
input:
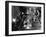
(14, 20)
(27, 27)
